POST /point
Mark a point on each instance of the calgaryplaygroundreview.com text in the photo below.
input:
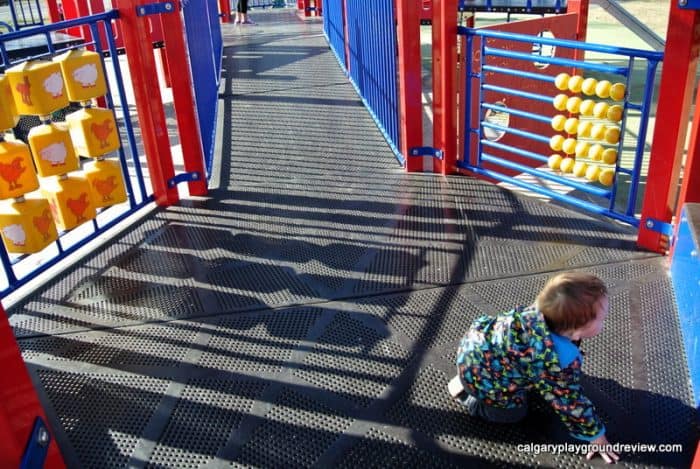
(584, 449)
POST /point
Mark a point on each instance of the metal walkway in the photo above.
(307, 313)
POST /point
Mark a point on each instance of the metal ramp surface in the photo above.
(308, 311)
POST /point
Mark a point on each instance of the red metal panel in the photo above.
(19, 404)
(562, 27)
(183, 97)
(672, 115)
(690, 189)
(410, 82)
(149, 103)
(444, 84)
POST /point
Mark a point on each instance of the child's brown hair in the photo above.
(569, 300)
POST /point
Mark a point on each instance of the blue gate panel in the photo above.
(205, 46)
(334, 28)
(371, 30)
(685, 276)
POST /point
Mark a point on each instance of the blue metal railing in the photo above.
(18, 270)
(371, 30)
(205, 45)
(26, 13)
(334, 28)
(491, 65)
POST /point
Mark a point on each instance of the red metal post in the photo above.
(149, 103)
(580, 7)
(690, 188)
(672, 116)
(19, 404)
(306, 4)
(319, 7)
(410, 83)
(445, 84)
(225, 9)
(54, 14)
(183, 97)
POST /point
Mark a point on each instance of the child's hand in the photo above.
(601, 443)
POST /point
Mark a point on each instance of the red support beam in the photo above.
(225, 10)
(445, 84)
(410, 82)
(580, 7)
(149, 102)
(183, 96)
(19, 404)
(672, 117)
(690, 188)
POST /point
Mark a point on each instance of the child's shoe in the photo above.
(455, 387)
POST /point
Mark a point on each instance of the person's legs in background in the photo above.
(242, 13)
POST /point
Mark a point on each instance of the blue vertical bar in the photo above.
(481, 74)
(467, 134)
(642, 136)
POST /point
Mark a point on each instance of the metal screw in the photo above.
(650, 224)
(43, 437)
(682, 2)
(694, 253)
(142, 10)
(168, 6)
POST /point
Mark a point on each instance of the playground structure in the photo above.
(396, 116)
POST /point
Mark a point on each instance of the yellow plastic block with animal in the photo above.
(8, 110)
(17, 176)
(70, 199)
(82, 74)
(38, 88)
(94, 131)
(52, 149)
(26, 226)
(106, 181)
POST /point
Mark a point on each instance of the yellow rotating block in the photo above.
(70, 199)
(8, 110)
(52, 149)
(94, 131)
(38, 87)
(17, 176)
(106, 182)
(83, 74)
(26, 226)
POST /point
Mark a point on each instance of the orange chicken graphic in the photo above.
(43, 224)
(105, 187)
(78, 206)
(24, 91)
(10, 172)
(102, 131)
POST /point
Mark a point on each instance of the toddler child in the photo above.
(501, 358)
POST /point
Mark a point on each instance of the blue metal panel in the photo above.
(334, 28)
(491, 66)
(18, 270)
(685, 277)
(373, 68)
(204, 43)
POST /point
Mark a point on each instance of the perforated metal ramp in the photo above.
(307, 313)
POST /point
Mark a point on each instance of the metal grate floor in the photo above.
(308, 311)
